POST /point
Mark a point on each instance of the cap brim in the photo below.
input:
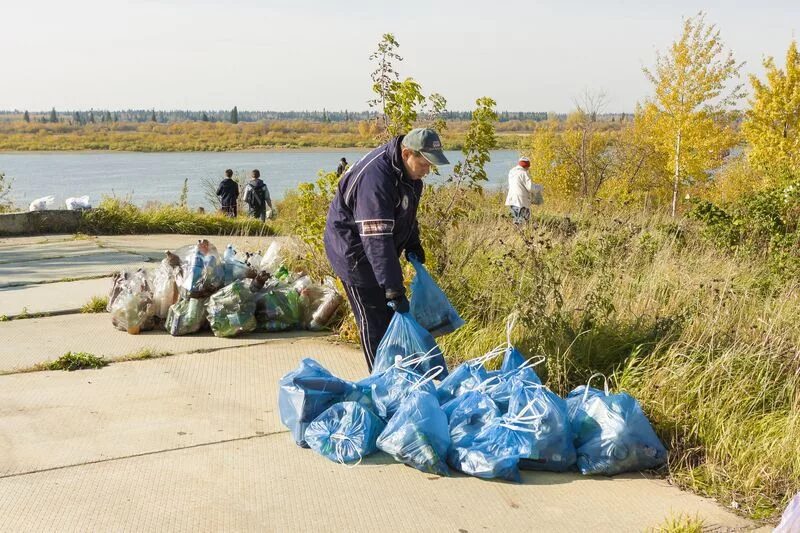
(435, 157)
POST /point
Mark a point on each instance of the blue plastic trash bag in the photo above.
(388, 389)
(499, 385)
(418, 435)
(467, 415)
(404, 337)
(429, 305)
(553, 448)
(345, 432)
(465, 377)
(516, 363)
(613, 435)
(306, 392)
(479, 463)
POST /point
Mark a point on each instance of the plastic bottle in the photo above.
(229, 254)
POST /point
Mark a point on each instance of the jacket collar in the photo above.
(394, 150)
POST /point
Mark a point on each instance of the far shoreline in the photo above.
(243, 151)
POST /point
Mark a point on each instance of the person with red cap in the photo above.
(522, 192)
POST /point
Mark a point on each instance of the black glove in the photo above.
(418, 254)
(397, 300)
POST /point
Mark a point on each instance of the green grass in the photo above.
(118, 217)
(705, 337)
(145, 353)
(680, 524)
(76, 361)
(96, 304)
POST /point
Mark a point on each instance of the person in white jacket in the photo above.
(522, 192)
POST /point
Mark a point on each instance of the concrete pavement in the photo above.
(194, 442)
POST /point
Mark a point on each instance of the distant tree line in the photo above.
(235, 116)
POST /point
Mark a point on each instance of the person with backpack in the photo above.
(256, 196)
(228, 194)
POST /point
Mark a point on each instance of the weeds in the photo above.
(145, 353)
(681, 524)
(76, 361)
(117, 217)
(97, 304)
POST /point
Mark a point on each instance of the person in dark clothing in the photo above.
(228, 193)
(371, 221)
(256, 196)
(342, 166)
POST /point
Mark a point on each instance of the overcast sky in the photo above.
(296, 54)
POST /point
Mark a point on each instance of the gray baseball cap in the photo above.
(426, 141)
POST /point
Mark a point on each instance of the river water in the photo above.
(144, 177)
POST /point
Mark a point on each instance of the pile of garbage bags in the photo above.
(194, 289)
(485, 423)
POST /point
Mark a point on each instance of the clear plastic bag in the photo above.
(418, 434)
(202, 271)
(187, 315)
(430, 306)
(77, 203)
(277, 307)
(405, 337)
(231, 310)
(40, 204)
(131, 304)
(165, 286)
(346, 432)
(790, 520)
(318, 304)
(272, 260)
(613, 435)
(306, 392)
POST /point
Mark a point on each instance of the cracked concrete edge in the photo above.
(256, 435)
(138, 355)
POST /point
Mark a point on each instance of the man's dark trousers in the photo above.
(372, 317)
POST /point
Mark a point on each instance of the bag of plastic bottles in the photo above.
(131, 305)
(429, 305)
(202, 272)
(513, 360)
(553, 449)
(495, 450)
(318, 304)
(345, 432)
(272, 260)
(388, 389)
(499, 384)
(467, 415)
(187, 315)
(405, 337)
(466, 376)
(306, 392)
(165, 286)
(233, 268)
(232, 310)
(40, 204)
(277, 307)
(418, 435)
(77, 203)
(613, 435)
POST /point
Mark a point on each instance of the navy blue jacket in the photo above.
(372, 219)
(228, 192)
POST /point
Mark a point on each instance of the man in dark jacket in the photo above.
(228, 193)
(256, 196)
(372, 219)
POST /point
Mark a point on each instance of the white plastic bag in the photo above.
(272, 259)
(790, 521)
(78, 202)
(40, 204)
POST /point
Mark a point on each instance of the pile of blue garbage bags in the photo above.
(485, 423)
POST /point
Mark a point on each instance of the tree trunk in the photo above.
(677, 173)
